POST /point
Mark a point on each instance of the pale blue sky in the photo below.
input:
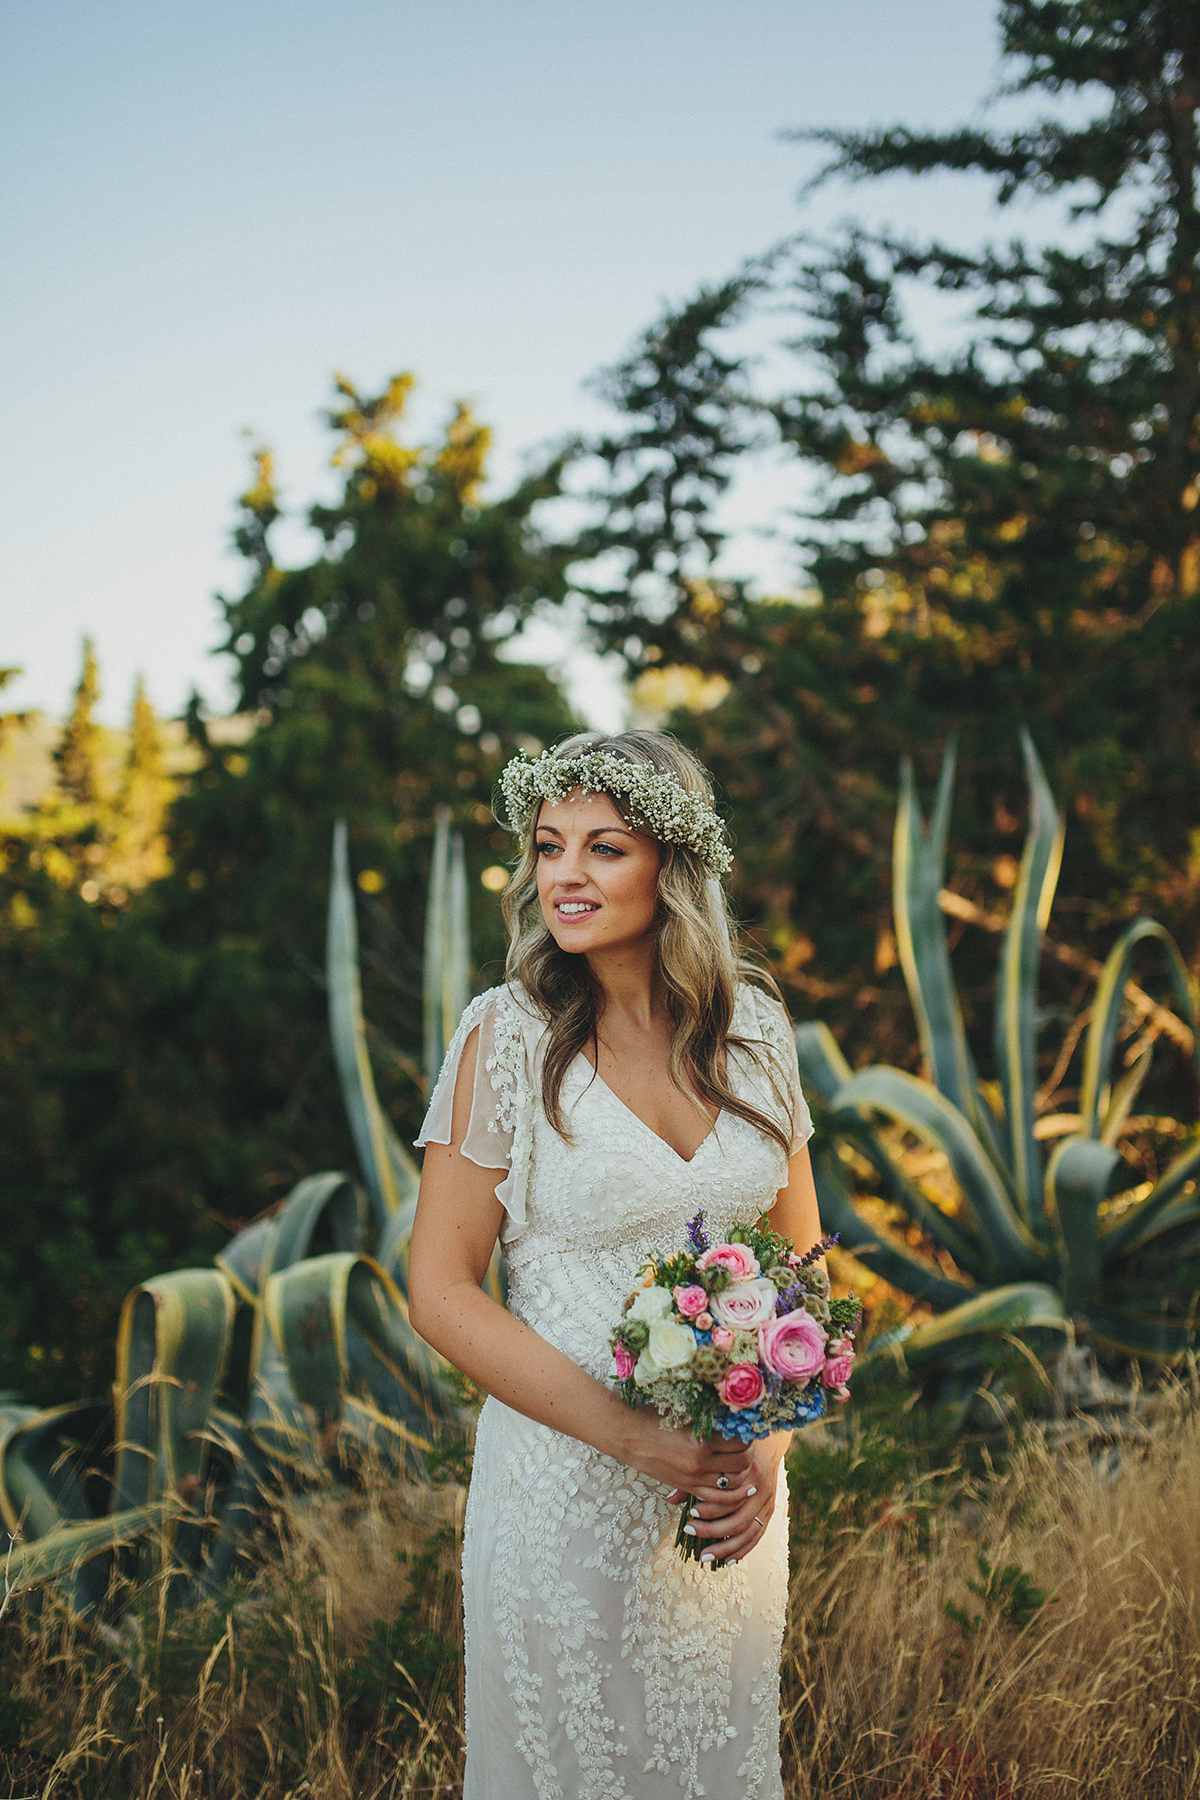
(206, 206)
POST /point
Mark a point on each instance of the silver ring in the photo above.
(759, 1522)
(722, 1482)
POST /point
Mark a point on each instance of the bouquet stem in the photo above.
(689, 1547)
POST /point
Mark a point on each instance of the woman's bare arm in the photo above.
(458, 1221)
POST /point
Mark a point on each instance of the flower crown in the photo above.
(657, 801)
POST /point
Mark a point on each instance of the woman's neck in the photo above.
(627, 982)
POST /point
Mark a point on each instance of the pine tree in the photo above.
(138, 853)
(1006, 533)
(77, 754)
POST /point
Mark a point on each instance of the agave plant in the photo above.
(1035, 1243)
(169, 1464)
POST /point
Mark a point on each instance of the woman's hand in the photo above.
(728, 1522)
(677, 1458)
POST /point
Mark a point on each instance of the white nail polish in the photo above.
(750, 1491)
(706, 1556)
(689, 1531)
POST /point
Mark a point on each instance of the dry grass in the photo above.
(1097, 1699)
(334, 1672)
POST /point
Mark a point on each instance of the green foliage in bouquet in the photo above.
(277, 1368)
(1029, 1244)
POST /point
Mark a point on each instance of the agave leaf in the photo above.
(1108, 1005)
(956, 1236)
(1162, 1208)
(246, 1258)
(387, 1168)
(341, 1326)
(39, 1480)
(838, 1214)
(42, 1456)
(1184, 1210)
(278, 1429)
(447, 943)
(1011, 1247)
(918, 877)
(1079, 1178)
(172, 1346)
(823, 1068)
(66, 1552)
(1029, 1310)
(1124, 1095)
(1134, 1334)
(239, 1506)
(824, 1072)
(328, 1199)
(1016, 999)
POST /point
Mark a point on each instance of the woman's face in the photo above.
(597, 878)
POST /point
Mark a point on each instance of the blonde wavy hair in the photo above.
(700, 960)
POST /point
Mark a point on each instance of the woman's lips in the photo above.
(571, 911)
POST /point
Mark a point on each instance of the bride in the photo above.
(627, 1075)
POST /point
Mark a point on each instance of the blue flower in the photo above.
(696, 1233)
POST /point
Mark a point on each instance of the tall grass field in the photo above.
(1032, 1635)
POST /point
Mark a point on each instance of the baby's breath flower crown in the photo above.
(657, 802)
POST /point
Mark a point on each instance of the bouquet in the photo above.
(739, 1338)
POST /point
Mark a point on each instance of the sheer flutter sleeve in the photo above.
(776, 1029)
(495, 1133)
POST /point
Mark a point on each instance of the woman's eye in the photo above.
(543, 847)
(609, 849)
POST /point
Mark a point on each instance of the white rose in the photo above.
(671, 1344)
(745, 1304)
(652, 1304)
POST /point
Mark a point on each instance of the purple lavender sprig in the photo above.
(818, 1249)
(790, 1298)
(697, 1236)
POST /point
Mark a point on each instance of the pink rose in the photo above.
(793, 1346)
(742, 1386)
(840, 1346)
(836, 1372)
(739, 1259)
(722, 1337)
(703, 1321)
(624, 1363)
(691, 1300)
(746, 1304)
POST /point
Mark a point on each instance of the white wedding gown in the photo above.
(599, 1666)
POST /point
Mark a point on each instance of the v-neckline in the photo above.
(687, 1161)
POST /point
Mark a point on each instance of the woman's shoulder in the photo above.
(509, 1027)
(507, 1004)
(758, 1013)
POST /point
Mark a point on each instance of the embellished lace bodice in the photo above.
(581, 1214)
(599, 1666)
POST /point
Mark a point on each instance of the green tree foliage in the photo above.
(77, 757)
(165, 1069)
(1004, 531)
(137, 850)
(372, 686)
(102, 1120)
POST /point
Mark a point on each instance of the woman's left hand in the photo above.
(731, 1523)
